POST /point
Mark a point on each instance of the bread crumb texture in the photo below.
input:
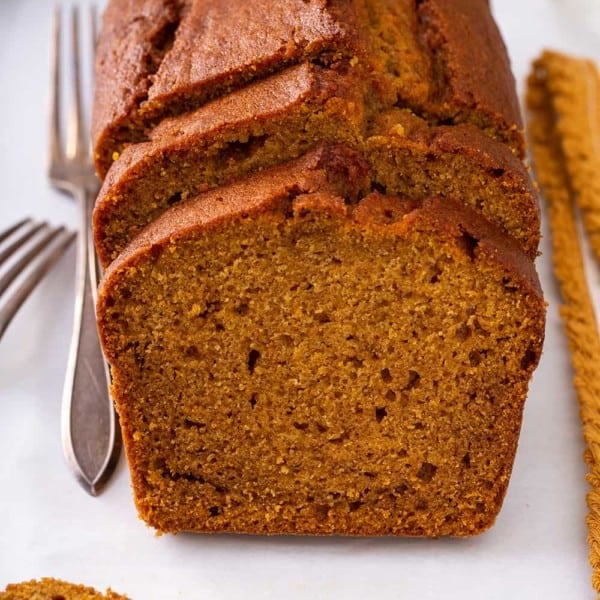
(54, 589)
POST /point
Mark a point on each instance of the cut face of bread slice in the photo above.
(281, 117)
(165, 57)
(286, 360)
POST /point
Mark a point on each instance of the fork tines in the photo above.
(28, 250)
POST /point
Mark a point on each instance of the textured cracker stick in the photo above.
(552, 164)
(573, 86)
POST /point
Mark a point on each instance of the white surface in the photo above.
(50, 527)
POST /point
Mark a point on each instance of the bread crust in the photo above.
(166, 57)
(320, 171)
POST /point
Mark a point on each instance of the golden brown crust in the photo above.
(209, 47)
(135, 36)
(474, 64)
(153, 64)
(553, 131)
(265, 123)
(276, 191)
(233, 45)
(263, 100)
(54, 589)
(411, 157)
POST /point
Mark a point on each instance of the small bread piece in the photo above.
(288, 359)
(445, 62)
(54, 589)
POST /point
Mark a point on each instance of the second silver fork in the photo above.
(90, 432)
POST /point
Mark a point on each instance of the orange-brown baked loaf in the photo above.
(445, 61)
(320, 307)
(54, 589)
(289, 357)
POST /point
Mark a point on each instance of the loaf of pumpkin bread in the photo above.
(320, 306)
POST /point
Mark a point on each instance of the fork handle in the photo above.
(90, 432)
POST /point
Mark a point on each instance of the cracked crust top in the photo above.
(163, 57)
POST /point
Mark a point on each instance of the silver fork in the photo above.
(33, 249)
(90, 432)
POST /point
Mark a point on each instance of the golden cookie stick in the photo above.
(573, 86)
(553, 134)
